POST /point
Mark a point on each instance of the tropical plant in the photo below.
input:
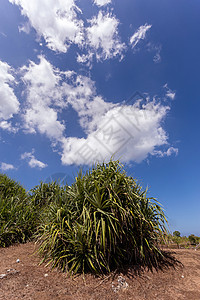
(10, 188)
(45, 193)
(17, 214)
(105, 221)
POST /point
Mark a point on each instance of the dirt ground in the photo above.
(26, 280)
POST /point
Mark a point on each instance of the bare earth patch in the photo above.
(26, 280)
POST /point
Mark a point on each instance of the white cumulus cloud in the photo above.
(169, 152)
(80, 92)
(32, 161)
(102, 2)
(140, 34)
(49, 91)
(103, 38)
(129, 132)
(6, 167)
(55, 21)
(5, 125)
(9, 105)
(59, 23)
(42, 90)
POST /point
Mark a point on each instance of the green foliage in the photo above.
(45, 193)
(17, 214)
(182, 241)
(105, 220)
(194, 240)
(176, 234)
(10, 188)
(177, 240)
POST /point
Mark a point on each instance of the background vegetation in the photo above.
(18, 218)
(175, 240)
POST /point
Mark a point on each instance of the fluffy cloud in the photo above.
(59, 23)
(102, 36)
(129, 132)
(79, 91)
(45, 120)
(49, 91)
(6, 167)
(55, 21)
(5, 125)
(42, 82)
(140, 34)
(169, 152)
(102, 2)
(86, 59)
(9, 105)
(32, 161)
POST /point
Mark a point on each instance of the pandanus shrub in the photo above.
(105, 221)
(17, 213)
(10, 188)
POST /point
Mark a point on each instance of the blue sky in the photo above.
(81, 81)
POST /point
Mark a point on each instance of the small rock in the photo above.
(122, 284)
(46, 275)
(17, 261)
(182, 276)
(11, 270)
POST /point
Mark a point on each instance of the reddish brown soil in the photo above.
(27, 280)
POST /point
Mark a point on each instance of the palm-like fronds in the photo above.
(17, 213)
(105, 221)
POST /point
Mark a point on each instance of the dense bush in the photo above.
(103, 221)
(194, 240)
(45, 193)
(182, 241)
(17, 214)
(10, 188)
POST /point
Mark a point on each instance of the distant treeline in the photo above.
(182, 241)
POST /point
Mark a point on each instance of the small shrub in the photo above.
(194, 240)
(176, 233)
